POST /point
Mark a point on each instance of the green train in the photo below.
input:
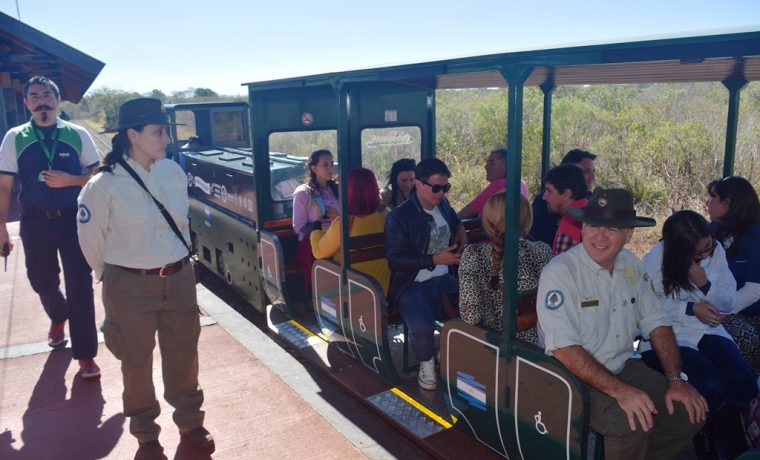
(499, 396)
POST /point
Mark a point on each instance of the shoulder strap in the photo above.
(161, 207)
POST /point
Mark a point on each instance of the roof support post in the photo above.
(515, 77)
(734, 87)
(344, 164)
(546, 137)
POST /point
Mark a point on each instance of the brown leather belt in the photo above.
(47, 214)
(163, 272)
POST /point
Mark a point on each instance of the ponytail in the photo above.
(119, 147)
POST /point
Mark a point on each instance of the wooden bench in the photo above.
(474, 229)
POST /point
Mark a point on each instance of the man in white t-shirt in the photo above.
(423, 238)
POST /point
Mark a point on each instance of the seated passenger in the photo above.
(316, 200)
(366, 217)
(400, 183)
(496, 174)
(481, 278)
(565, 187)
(590, 301)
(544, 223)
(423, 238)
(734, 210)
(690, 276)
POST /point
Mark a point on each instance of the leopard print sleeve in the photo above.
(472, 272)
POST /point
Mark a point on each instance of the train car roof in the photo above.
(26, 52)
(204, 105)
(698, 57)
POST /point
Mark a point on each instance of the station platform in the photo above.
(260, 402)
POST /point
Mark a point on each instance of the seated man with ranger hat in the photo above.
(591, 301)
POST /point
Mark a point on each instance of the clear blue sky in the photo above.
(219, 44)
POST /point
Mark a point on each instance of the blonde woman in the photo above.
(481, 279)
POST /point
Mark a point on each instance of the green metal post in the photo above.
(546, 139)
(734, 87)
(428, 148)
(515, 79)
(344, 162)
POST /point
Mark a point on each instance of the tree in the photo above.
(205, 93)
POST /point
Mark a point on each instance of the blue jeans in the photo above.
(717, 370)
(44, 239)
(420, 306)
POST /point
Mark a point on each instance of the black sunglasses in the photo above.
(706, 252)
(437, 188)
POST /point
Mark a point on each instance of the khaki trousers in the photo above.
(665, 440)
(137, 307)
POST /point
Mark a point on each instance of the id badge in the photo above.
(41, 176)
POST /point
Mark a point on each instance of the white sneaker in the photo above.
(427, 380)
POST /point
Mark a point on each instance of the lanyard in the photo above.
(49, 152)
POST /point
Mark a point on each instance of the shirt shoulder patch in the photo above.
(84, 215)
(554, 299)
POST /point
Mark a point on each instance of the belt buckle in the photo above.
(163, 271)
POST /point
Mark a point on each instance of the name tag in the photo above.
(64, 154)
(41, 177)
(589, 303)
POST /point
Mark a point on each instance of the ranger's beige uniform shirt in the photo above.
(119, 224)
(580, 303)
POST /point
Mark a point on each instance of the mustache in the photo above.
(42, 107)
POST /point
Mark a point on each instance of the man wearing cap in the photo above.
(52, 159)
(591, 301)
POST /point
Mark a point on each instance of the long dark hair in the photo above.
(398, 166)
(743, 209)
(312, 176)
(120, 145)
(680, 235)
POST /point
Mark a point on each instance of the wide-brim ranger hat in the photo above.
(610, 207)
(141, 111)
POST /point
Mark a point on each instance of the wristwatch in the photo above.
(681, 377)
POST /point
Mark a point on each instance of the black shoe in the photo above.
(151, 450)
(200, 439)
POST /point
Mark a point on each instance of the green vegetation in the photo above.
(663, 142)
(100, 106)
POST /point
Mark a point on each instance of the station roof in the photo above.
(717, 56)
(26, 52)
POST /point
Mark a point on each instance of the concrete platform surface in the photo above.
(260, 401)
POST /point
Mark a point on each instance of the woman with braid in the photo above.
(142, 257)
(481, 279)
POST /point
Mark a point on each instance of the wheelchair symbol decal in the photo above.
(540, 427)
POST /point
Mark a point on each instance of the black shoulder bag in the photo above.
(169, 219)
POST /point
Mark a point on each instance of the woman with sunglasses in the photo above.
(690, 276)
(481, 278)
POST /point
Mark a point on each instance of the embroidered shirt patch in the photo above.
(554, 299)
(83, 214)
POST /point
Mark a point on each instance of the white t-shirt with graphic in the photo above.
(439, 240)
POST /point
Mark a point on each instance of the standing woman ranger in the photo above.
(148, 280)
(316, 200)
